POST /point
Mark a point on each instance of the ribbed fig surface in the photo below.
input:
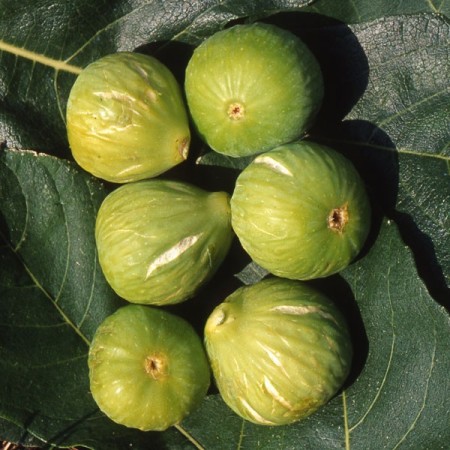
(301, 211)
(126, 118)
(147, 368)
(159, 240)
(278, 349)
(252, 87)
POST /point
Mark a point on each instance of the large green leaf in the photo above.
(386, 107)
(397, 394)
(357, 11)
(398, 132)
(53, 297)
(81, 31)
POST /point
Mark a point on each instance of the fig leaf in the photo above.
(400, 371)
(398, 393)
(52, 298)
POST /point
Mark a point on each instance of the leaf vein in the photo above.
(389, 362)
(422, 407)
(411, 107)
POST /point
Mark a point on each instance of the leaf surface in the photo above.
(53, 297)
(396, 393)
(386, 69)
(357, 11)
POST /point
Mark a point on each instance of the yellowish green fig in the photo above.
(252, 87)
(160, 240)
(301, 211)
(279, 350)
(126, 118)
(147, 368)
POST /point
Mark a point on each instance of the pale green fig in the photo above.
(147, 368)
(279, 350)
(252, 87)
(301, 211)
(126, 118)
(159, 240)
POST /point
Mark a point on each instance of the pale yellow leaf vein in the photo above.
(188, 436)
(241, 436)
(433, 7)
(400, 150)
(422, 407)
(411, 107)
(60, 311)
(346, 430)
(41, 59)
(94, 275)
(389, 362)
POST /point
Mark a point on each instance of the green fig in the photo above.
(147, 368)
(301, 211)
(126, 118)
(279, 350)
(252, 87)
(159, 240)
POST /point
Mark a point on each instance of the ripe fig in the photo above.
(301, 211)
(252, 87)
(126, 118)
(279, 350)
(159, 240)
(147, 368)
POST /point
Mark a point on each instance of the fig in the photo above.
(301, 211)
(147, 368)
(126, 118)
(279, 350)
(252, 87)
(160, 240)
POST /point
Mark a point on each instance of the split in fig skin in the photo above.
(279, 350)
(159, 241)
(126, 118)
(301, 211)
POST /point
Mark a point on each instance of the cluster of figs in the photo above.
(278, 349)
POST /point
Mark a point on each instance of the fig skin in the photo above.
(301, 211)
(279, 350)
(252, 87)
(160, 240)
(147, 368)
(126, 118)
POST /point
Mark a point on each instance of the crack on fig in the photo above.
(253, 413)
(183, 147)
(273, 392)
(155, 366)
(236, 111)
(338, 219)
(172, 253)
(273, 164)
(302, 310)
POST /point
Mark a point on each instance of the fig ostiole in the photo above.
(279, 350)
(147, 368)
(252, 87)
(301, 211)
(126, 118)
(159, 240)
